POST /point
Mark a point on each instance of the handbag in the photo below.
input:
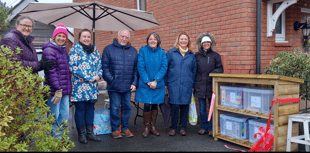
(192, 113)
(102, 123)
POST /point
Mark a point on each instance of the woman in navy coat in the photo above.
(180, 79)
(152, 67)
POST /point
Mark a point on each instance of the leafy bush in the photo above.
(24, 123)
(4, 13)
(293, 64)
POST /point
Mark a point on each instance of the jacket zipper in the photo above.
(124, 64)
(208, 60)
(62, 54)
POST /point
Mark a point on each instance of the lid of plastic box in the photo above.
(261, 122)
(258, 90)
(235, 117)
(231, 88)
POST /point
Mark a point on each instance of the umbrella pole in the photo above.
(94, 36)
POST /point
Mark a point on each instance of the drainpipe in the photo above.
(258, 36)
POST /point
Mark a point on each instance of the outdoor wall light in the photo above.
(305, 27)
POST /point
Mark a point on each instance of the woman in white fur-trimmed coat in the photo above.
(208, 61)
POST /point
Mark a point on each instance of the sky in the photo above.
(14, 2)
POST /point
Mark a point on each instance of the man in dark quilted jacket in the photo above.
(119, 64)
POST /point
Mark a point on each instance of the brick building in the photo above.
(233, 22)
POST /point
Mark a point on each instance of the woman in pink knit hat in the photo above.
(58, 78)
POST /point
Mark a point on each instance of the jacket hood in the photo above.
(177, 50)
(198, 40)
(49, 44)
(153, 49)
(115, 43)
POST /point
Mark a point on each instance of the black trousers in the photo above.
(176, 111)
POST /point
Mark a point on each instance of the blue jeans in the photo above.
(60, 110)
(205, 125)
(117, 99)
(84, 113)
(176, 111)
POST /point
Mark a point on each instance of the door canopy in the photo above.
(273, 17)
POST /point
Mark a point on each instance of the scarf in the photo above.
(89, 49)
(204, 52)
(183, 51)
(208, 50)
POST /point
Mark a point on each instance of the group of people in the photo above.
(151, 72)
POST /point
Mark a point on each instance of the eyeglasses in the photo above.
(24, 25)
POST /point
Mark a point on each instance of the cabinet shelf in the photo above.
(283, 87)
(244, 112)
(245, 143)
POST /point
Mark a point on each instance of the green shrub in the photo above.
(288, 63)
(5, 11)
(21, 94)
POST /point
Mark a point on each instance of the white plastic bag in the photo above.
(192, 113)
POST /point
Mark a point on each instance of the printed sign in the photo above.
(232, 97)
(228, 125)
(256, 101)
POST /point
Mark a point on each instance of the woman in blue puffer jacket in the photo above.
(58, 78)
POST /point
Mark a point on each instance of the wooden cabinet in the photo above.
(284, 87)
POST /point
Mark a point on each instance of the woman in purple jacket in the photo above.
(58, 78)
(20, 37)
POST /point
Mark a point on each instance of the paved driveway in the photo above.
(192, 142)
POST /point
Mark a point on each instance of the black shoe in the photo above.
(210, 134)
(82, 137)
(90, 134)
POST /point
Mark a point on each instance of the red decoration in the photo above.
(265, 143)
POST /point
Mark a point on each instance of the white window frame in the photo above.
(280, 38)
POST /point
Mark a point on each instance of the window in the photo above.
(141, 5)
(280, 27)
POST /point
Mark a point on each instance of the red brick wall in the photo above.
(233, 22)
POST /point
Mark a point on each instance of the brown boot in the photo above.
(153, 122)
(147, 116)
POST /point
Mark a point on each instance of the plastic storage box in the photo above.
(254, 126)
(235, 125)
(232, 96)
(257, 100)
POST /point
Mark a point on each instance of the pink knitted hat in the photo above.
(60, 29)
